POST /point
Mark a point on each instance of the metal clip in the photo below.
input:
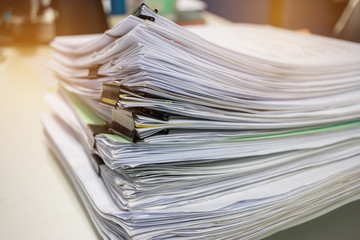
(153, 113)
(110, 94)
(96, 161)
(145, 17)
(107, 32)
(93, 72)
(137, 12)
(123, 124)
(113, 62)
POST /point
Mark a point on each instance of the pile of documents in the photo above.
(212, 132)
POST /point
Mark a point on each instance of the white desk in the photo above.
(38, 201)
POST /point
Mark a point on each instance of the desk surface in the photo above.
(38, 201)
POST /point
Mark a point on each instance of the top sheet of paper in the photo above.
(280, 45)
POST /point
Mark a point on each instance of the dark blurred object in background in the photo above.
(348, 25)
(320, 16)
(35, 21)
(38, 21)
(79, 17)
(246, 11)
(4, 7)
(26, 21)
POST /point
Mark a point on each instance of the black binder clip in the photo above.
(110, 94)
(137, 12)
(93, 72)
(153, 113)
(95, 130)
(96, 161)
(123, 124)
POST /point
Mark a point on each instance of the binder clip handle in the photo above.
(137, 12)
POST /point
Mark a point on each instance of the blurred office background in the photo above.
(319, 16)
(41, 20)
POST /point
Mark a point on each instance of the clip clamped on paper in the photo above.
(96, 161)
(153, 113)
(107, 33)
(123, 124)
(93, 72)
(110, 94)
(137, 13)
(95, 129)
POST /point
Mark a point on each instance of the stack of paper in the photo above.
(224, 132)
